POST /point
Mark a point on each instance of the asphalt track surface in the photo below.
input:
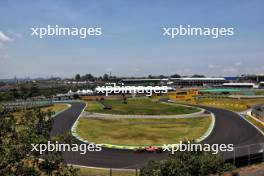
(229, 128)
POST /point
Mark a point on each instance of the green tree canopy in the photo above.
(16, 136)
(187, 163)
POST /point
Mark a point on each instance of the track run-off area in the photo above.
(229, 128)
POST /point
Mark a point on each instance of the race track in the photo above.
(229, 128)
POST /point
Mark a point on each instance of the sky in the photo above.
(132, 41)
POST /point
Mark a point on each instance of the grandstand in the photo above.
(240, 85)
(183, 82)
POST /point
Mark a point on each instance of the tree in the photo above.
(88, 77)
(24, 91)
(175, 76)
(197, 76)
(105, 77)
(51, 162)
(150, 77)
(16, 136)
(34, 91)
(77, 77)
(15, 93)
(2, 83)
(76, 96)
(161, 76)
(187, 163)
(6, 96)
(14, 148)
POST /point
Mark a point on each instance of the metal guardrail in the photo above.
(25, 104)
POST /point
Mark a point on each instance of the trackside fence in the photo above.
(241, 156)
(109, 172)
(25, 104)
(246, 155)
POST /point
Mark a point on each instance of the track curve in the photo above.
(229, 128)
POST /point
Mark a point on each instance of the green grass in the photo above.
(93, 106)
(58, 107)
(256, 123)
(139, 107)
(143, 131)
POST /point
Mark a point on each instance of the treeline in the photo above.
(29, 90)
(107, 77)
(90, 77)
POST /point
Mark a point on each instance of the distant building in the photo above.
(198, 82)
(6, 88)
(185, 95)
(240, 85)
(183, 82)
(143, 80)
(261, 85)
(232, 78)
(253, 78)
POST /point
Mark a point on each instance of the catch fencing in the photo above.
(25, 104)
(246, 155)
(241, 156)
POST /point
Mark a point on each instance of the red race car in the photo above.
(149, 149)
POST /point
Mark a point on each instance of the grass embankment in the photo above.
(237, 105)
(255, 122)
(58, 107)
(142, 131)
(139, 107)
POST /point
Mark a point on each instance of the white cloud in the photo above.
(14, 34)
(4, 38)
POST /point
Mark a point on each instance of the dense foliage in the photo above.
(187, 164)
(18, 131)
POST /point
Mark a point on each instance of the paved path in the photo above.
(230, 128)
(109, 116)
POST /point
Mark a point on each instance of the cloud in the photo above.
(4, 38)
(14, 34)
